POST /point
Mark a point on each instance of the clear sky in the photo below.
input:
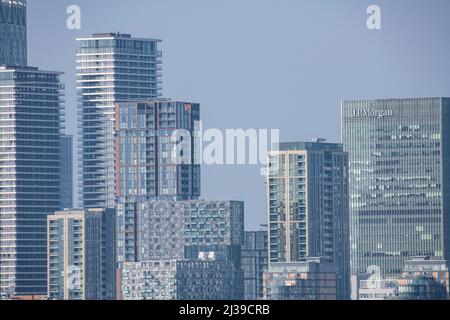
(282, 64)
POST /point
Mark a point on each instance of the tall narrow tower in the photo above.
(30, 145)
(112, 68)
(307, 190)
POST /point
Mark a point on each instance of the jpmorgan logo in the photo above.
(372, 113)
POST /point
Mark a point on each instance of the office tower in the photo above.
(209, 277)
(13, 32)
(399, 201)
(311, 279)
(111, 68)
(161, 229)
(307, 187)
(31, 120)
(67, 172)
(152, 162)
(254, 262)
(81, 251)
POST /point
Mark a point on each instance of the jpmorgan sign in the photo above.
(372, 113)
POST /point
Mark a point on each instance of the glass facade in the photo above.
(307, 187)
(30, 158)
(67, 172)
(254, 262)
(111, 68)
(13, 33)
(147, 165)
(398, 182)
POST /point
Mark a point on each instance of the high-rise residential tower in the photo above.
(152, 161)
(399, 151)
(30, 148)
(81, 255)
(111, 68)
(307, 187)
(13, 32)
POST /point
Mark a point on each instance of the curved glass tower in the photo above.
(13, 32)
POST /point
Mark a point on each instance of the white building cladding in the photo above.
(111, 68)
(31, 121)
(13, 32)
(398, 159)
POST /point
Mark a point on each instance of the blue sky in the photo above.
(282, 64)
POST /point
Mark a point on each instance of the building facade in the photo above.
(254, 262)
(13, 32)
(159, 230)
(309, 280)
(111, 68)
(152, 161)
(81, 255)
(30, 147)
(307, 186)
(398, 181)
(67, 172)
(210, 275)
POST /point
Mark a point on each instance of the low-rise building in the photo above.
(308, 280)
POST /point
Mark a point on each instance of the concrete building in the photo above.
(307, 187)
(81, 255)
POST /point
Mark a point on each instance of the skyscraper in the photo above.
(112, 67)
(30, 144)
(66, 172)
(399, 175)
(307, 187)
(13, 32)
(81, 255)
